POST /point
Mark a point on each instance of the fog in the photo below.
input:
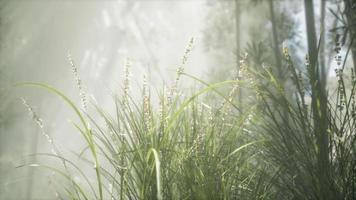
(38, 37)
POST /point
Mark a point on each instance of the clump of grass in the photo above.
(292, 140)
(182, 150)
(303, 158)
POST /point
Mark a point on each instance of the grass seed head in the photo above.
(146, 104)
(126, 83)
(180, 71)
(82, 93)
(40, 124)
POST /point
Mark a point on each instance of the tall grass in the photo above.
(191, 147)
(303, 157)
(201, 146)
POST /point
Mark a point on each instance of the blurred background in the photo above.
(36, 37)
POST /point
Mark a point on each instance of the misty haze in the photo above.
(177, 99)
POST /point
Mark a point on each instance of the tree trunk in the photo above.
(277, 54)
(238, 50)
(33, 146)
(319, 107)
(237, 24)
(324, 71)
(350, 11)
